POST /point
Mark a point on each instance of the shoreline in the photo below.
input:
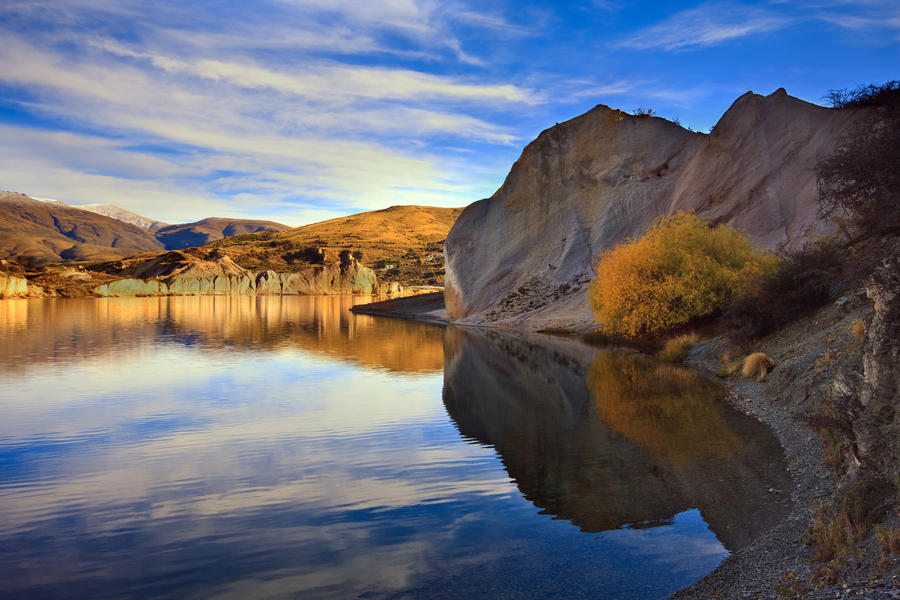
(424, 308)
(780, 562)
(780, 556)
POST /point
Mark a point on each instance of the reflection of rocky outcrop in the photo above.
(177, 273)
(76, 328)
(577, 452)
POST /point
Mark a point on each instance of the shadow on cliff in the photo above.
(613, 439)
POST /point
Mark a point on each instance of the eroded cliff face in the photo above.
(523, 257)
(176, 274)
(12, 286)
(877, 428)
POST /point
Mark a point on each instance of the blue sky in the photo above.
(303, 110)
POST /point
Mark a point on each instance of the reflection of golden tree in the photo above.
(669, 411)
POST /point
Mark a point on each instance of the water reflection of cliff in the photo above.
(35, 331)
(615, 439)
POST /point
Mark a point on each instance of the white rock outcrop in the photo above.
(221, 276)
(523, 257)
(12, 286)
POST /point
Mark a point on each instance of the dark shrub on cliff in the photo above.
(866, 95)
(861, 179)
(801, 283)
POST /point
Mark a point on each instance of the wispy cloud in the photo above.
(706, 25)
(324, 107)
(299, 129)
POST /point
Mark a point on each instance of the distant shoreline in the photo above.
(425, 308)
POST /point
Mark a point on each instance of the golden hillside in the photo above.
(402, 243)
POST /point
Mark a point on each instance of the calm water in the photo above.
(285, 448)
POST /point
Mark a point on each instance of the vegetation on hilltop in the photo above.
(861, 179)
(402, 243)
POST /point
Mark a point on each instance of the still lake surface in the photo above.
(218, 447)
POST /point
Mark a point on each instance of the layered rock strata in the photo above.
(168, 275)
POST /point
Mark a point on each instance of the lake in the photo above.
(283, 447)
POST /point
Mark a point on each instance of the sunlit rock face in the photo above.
(177, 274)
(523, 257)
(12, 286)
(611, 440)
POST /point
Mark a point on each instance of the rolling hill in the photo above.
(402, 243)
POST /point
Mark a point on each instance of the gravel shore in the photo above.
(780, 563)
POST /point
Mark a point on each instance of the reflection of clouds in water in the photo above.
(211, 423)
(252, 458)
(273, 453)
(176, 379)
(687, 544)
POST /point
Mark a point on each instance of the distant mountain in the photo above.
(121, 214)
(175, 237)
(50, 231)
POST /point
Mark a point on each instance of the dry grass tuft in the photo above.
(838, 534)
(836, 537)
(675, 349)
(757, 364)
(729, 367)
(888, 540)
(858, 329)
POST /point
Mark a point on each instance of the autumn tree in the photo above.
(681, 269)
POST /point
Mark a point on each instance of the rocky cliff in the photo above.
(12, 286)
(523, 257)
(180, 274)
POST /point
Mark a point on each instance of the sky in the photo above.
(304, 110)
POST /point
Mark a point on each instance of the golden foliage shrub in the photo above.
(675, 349)
(858, 329)
(758, 365)
(679, 270)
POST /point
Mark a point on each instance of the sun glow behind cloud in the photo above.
(299, 110)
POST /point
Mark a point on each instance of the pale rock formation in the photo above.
(12, 286)
(132, 287)
(176, 274)
(523, 257)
